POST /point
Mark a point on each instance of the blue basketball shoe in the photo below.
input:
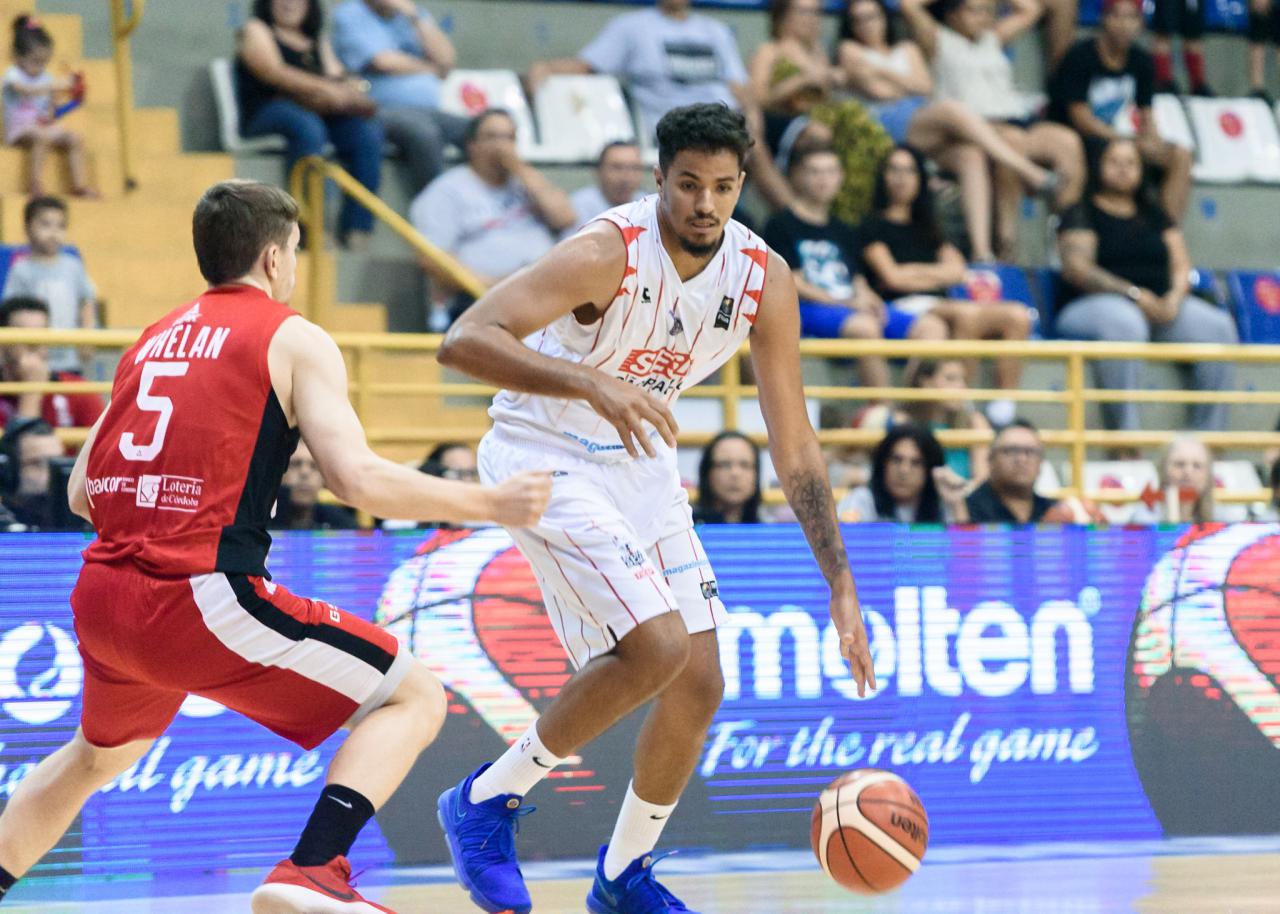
(481, 838)
(635, 891)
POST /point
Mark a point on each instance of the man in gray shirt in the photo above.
(619, 174)
(666, 57)
(495, 213)
(57, 278)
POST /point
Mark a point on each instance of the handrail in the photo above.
(123, 23)
(1074, 436)
(306, 183)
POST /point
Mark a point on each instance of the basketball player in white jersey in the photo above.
(591, 345)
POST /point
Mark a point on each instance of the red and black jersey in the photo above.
(187, 463)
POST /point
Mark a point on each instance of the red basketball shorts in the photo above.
(299, 667)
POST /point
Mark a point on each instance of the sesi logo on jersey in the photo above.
(664, 362)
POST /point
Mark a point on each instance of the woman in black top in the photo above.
(1127, 273)
(289, 82)
(910, 265)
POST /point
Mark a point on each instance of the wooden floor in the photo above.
(1159, 880)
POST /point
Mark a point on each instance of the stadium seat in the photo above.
(1134, 476)
(1256, 297)
(7, 252)
(1226, 15)
(467, 93)
(1237, 474)
(579, 115)
(1171, 121)
(1048, 286)
(990, 282)
(1204, 284)
(1237, 139)
(222, 76)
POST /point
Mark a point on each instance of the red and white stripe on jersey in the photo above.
(660, 332)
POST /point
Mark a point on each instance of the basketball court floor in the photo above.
(1186, 876)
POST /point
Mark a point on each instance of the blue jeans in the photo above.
(357, 141)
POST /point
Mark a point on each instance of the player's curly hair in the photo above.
(706, 128)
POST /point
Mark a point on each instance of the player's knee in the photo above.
(423, 696)
(704, 689)
(656, 652)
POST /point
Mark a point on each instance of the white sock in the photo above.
(518, 771)
(639, 827)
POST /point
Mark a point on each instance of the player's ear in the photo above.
(657, 176)
(271, 260)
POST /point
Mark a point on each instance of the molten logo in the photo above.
(664, 362)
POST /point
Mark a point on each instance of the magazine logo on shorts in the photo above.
(663, 362)
(170, 493)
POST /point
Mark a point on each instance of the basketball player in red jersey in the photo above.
(179, 477)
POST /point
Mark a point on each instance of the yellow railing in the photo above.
(125, 16)
(306, 183)
(363, 349)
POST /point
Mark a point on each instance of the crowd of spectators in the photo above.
(858, 120)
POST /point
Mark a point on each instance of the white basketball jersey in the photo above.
(661, 333)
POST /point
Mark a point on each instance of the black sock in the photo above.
(339, 815)
(7, 880)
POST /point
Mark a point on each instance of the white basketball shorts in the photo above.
(615, 548)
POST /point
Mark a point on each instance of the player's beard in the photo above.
(700, 250)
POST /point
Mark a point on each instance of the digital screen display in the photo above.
(1034, 685)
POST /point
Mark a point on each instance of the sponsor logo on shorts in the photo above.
(664, 362)
(710, 589)
(170, 493)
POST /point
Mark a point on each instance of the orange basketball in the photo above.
(869, 831)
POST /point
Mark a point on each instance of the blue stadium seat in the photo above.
(6, 258)
(1256, 296)
(997, 282)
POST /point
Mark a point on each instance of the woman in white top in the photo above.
(965, 42)
(893, 80)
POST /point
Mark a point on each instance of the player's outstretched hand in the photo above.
(628, 409)
(855, 649)
(520, 500)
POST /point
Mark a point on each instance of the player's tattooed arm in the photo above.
(809, 494)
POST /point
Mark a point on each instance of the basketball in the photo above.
(869, 831)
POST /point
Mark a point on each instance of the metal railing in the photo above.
(362, 351)
(125, 16)
(306, 183)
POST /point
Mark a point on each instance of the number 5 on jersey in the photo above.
(149, 403)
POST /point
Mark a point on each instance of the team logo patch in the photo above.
(644, 296)
(725, 313)
(677, 325)
(631, 557)
(710, 589)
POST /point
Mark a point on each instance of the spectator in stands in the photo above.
(965, 42)
(729, 481)
(1264, 27)
(30, 92)
(910, 482)
(619, 174)
(31, 364)
(58, 278)
(910, 266)
(950, 374)
(1127, 270)
(804, 104)
(1106, 75)
(289, 82)
(1008, 496)
(298, 506)
(1274, 481)
(495, 213)
(1184, 18)
(667, 57)
(399, 49)
(835, 300)
(894, 82)
(1186, 483)
(26, 451)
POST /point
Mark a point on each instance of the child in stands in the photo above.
(29, 122)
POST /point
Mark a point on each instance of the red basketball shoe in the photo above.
(293, 889)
